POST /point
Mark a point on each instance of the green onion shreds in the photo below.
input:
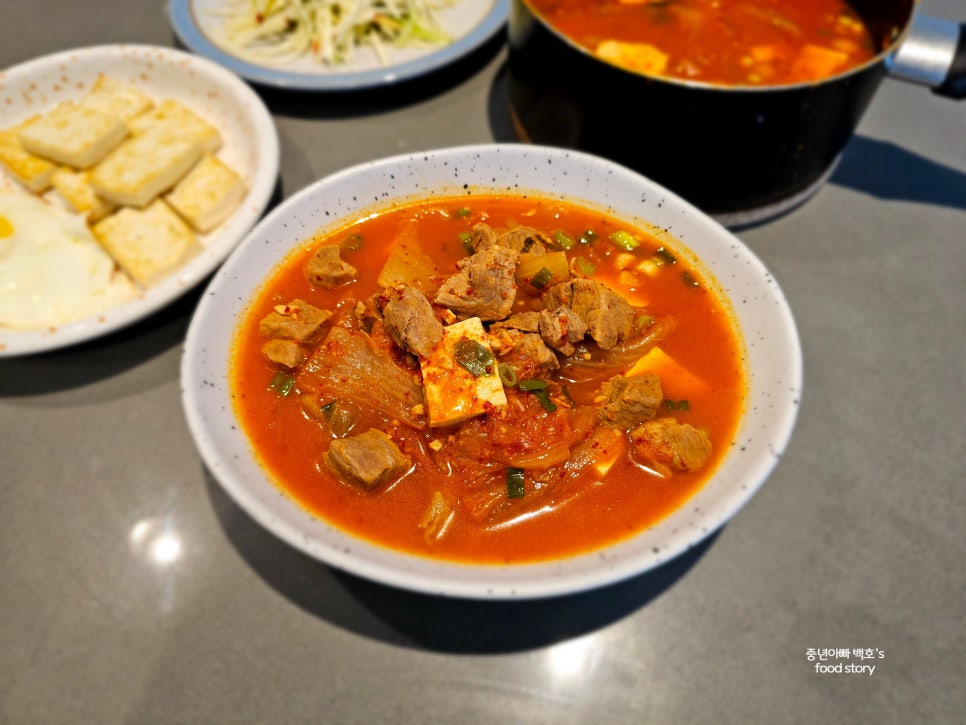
(624, 240)
(528, 386)
(585, 266)
(689, 280)
(515, 483)
(463, 212)
(508, 376)
(541, 395)
(541, 278)
(664, 254)
(282, 383)
(676, 404)
(467, 241)
(588, 236)
(473, 356)
(563, 240)
(351, 242)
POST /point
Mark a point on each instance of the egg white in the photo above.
(52, 270)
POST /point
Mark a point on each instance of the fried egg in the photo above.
(52, 270)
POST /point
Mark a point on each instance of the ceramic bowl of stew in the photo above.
(743, 107)
(496, 371)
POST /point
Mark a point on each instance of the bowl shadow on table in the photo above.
(423, 621)
(349, 103)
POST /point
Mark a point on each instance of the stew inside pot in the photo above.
(489, 379)
(728, 42)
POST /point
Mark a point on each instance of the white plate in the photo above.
(250, 147)
(773, 358)
(470, 22)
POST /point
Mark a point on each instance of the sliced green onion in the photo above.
(467, 241)
(282, 383)
(541, 278)
(624, 240)
(585, 266)
(689, 280)
(676, 404)
(508, 376)
(463, 212)
(563, 240)
(548, 405)
(515, 483)
(528, 386)
(589, 236)
(473, 356)
(664, 254)
(351, 242)
(644, 321)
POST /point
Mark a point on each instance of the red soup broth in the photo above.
(726, 42)
(591, 510)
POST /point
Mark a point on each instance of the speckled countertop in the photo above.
(855, 542)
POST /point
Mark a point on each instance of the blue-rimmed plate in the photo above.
(470, 22)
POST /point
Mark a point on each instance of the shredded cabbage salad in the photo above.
(330, 31)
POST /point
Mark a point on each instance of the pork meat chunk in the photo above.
(627, 402)
(608, 316)
(668, 444)
(286, 353)
(411, 322)
(368, 459)
(326, 269)
(296, 320)
(561, 328)
(485, 286)
(526, 352)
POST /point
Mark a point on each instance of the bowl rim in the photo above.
(201, 395)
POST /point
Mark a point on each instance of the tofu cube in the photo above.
(32, 171)
(145, 166)
(676, 380)
(73, 135)
(115, 98)
(74, 187)
(147, 243)
(452, 393)
(208, 194)
(182, 119)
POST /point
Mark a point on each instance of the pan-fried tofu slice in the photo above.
(74, 187)
(207, 194)
(144, 166)
(147, 243)
(453, 393)
(32, 171)
(178, 116)
(73, 135)
(115, 98)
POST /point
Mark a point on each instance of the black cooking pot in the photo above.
(742, 154)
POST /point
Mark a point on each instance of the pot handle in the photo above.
(933, 54)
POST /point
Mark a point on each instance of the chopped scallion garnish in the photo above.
(528, 386)
(585, 266)
(473, 356)
(282, 383)
(541, 278)
(589, 236)
(508, 376)
(624, 240)
(676, 404)
(563, 240)
(463, 212)
(664, 254)
(515, 481)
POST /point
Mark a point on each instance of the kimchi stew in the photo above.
(489, 379)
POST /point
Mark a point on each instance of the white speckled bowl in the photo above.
(250, 147)
(772, 346)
